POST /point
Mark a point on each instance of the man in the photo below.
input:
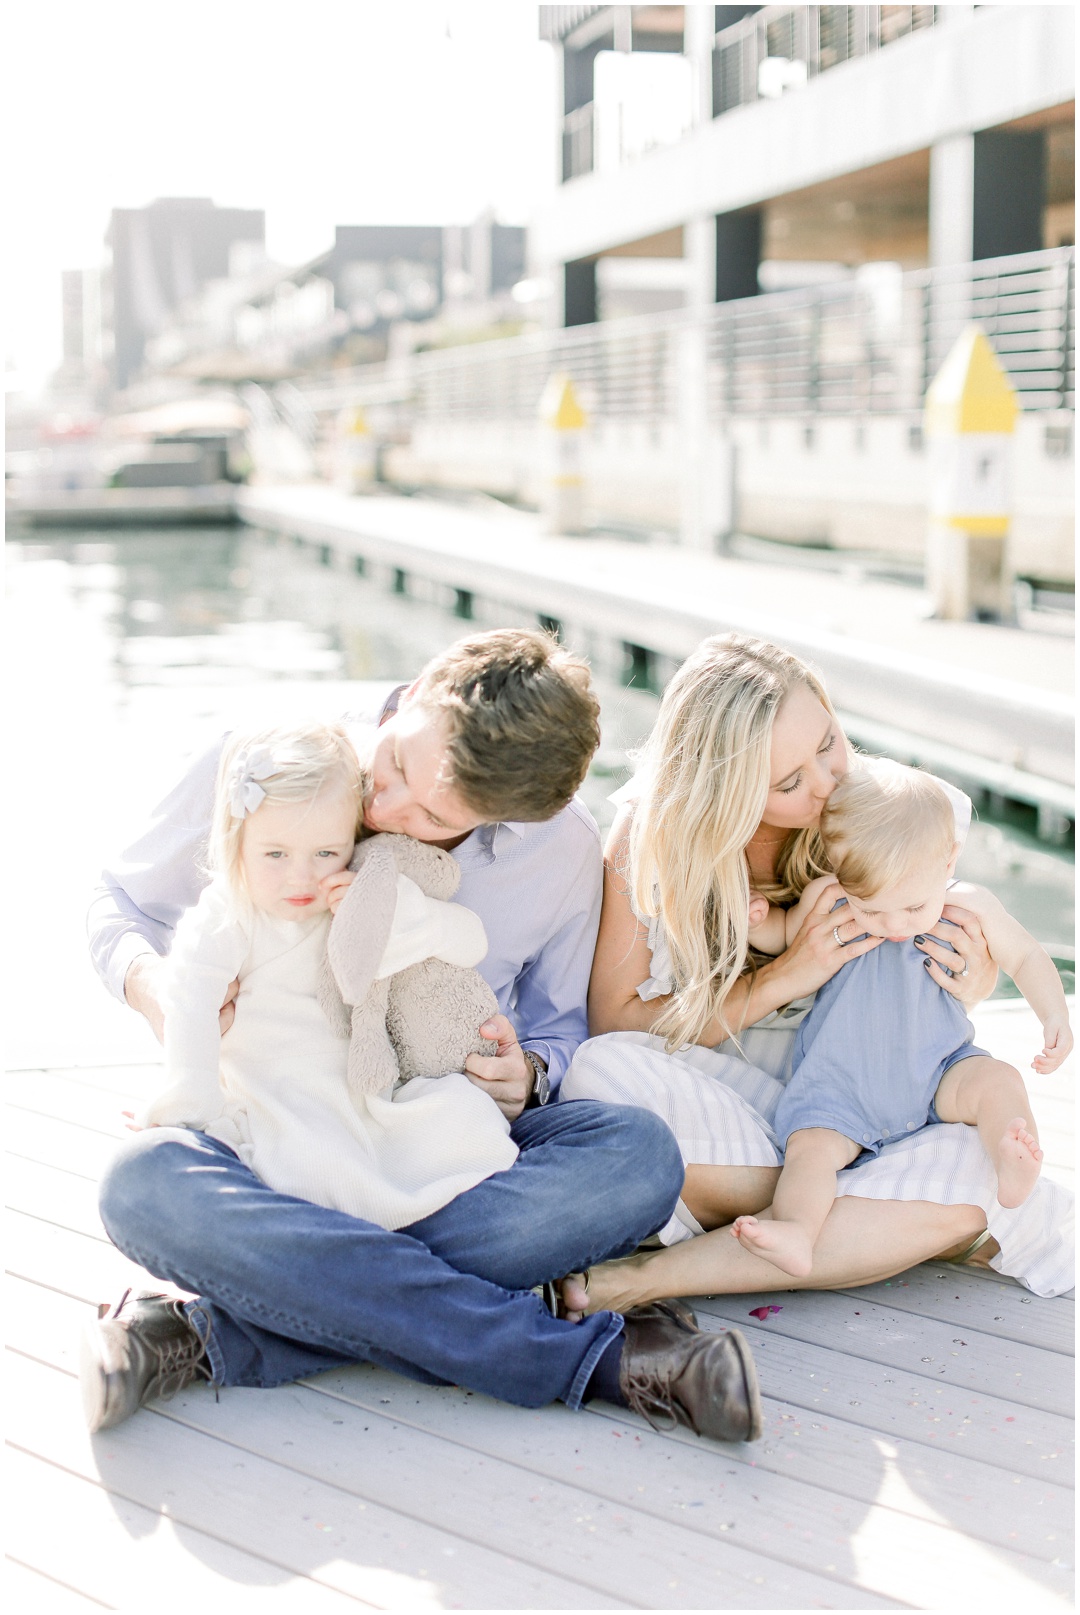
(482, 755)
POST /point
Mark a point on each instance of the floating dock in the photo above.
(210, 505)
(991, 705)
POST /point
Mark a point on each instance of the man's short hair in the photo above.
(522, 722)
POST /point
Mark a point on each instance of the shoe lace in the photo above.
(648, 1392)
(180, 1360)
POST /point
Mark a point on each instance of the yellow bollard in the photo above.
(357, 451)
(970, 413)
(564, 421)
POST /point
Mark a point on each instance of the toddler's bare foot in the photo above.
(1019, 1159)
(784, 1244)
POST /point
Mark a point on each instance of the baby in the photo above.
(890, 836)
(274, 1087)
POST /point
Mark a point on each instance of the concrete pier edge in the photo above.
(1009, 738)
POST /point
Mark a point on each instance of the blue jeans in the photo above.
(287, 1288)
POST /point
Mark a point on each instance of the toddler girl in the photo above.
(274, 1086)
(890, 836)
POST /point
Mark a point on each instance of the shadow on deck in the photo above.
(916, 1450)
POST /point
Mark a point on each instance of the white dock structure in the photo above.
(992, 705)
(916, 1450)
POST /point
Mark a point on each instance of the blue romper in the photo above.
(870, 1054)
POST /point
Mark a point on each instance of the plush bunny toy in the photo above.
(398, 982)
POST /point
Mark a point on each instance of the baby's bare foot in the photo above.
(1018, 1161)
(784, 1244)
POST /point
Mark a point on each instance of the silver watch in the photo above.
(541, 1091)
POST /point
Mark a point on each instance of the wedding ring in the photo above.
(962, 973)
(836, 934)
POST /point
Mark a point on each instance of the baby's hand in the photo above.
(813, 890)
(759, 909)
(1058, 1042)
(334, 887)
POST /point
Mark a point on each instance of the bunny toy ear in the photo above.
(361, 927)
(431, 868)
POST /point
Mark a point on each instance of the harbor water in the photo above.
(131, 651)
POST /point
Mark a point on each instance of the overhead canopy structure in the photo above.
(184, 415)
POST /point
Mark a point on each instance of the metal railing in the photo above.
(814, 38)
(850, 347)
(1025, 304)
(759, 58)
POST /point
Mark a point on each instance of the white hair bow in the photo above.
(245, 794)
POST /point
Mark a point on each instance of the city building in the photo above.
(749, 148)
(769, 227)
(161, 257)
(377, 285)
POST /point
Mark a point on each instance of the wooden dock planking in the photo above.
(376, 1465)
(955, 1296)
(893, 1402)
(301, 1526)
(971, 1361)
(773, 1514)
(837, 1457)
(109, 1543)
(882, 1481)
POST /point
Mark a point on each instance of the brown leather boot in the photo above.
(671, 1372)
(141, 1348)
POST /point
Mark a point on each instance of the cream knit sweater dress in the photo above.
(274, 1086)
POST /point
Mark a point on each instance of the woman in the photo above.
(745, 753)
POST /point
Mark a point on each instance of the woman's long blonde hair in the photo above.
(705, 776)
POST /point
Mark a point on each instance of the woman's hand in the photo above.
(959, 948)
(825, 941)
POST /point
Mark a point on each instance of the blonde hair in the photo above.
(882, 823)
(707, 768)
(305, 759)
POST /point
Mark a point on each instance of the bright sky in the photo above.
(330, 112)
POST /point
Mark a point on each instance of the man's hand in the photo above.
(227, 1012)
(334, 887)
(506, 1075)
(142, 989)
(142, 986)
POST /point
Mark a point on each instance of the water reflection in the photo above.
(195, 629)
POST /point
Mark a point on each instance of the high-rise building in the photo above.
(268, 323)
(73, 319)
(162, 256)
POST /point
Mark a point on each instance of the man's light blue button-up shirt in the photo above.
(536, 887)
